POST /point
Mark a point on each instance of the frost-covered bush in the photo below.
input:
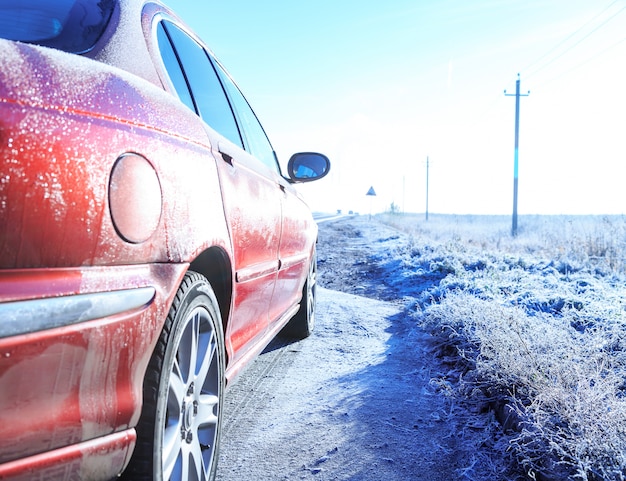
(538, 324)
(566, 386)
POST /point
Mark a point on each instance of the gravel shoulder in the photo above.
(356, 400)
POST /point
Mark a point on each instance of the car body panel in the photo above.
(90, 371)
(295, 250)
(62, 197)
(252, 207)
(102, 458)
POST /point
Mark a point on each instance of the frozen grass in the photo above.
(535, 326)
(597, 242)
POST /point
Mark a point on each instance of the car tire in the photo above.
(179, 429)
(302, 324)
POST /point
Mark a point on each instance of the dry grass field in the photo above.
(534, 327)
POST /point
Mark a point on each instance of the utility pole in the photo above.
(516, 157)
(427, 166)
(403, 193)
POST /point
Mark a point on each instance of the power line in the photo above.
(553, 59)
(568, 37)
(579, 65)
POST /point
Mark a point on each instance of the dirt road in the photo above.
(356, 400)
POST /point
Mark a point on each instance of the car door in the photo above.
(296, 229)
(251, 200)
(298, 235)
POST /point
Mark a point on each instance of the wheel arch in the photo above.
(214, 264)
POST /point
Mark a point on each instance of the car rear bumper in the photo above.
(102, 458)
(74, 346)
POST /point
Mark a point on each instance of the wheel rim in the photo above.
(310, 295)
(191, 420)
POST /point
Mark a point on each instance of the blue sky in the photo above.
(381, 86)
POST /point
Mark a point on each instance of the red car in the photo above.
(149, 245)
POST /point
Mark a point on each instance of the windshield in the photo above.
(71, 25)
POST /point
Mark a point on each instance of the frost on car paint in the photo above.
(82, 128)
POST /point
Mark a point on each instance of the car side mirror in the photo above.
(307, 166)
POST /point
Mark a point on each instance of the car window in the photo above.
(255, 138)
(70, 25)
(208, 95)
(173, 68)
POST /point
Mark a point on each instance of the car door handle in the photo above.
(222, 149)
(227, 158)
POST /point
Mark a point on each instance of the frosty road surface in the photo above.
(343, 404)
(352, 402)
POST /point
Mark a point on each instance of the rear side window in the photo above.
(208, 95)
(256, 141)
(70, 25)
(174, 71)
